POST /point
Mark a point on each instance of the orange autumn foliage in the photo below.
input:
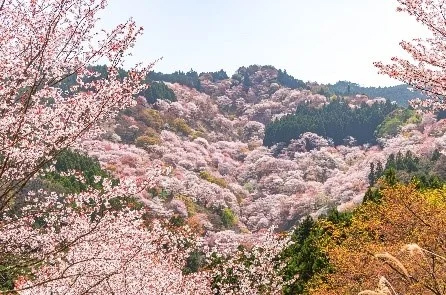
(404, 216)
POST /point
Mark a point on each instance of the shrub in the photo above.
(228, 218)
(395, 120)
(194, 262)
(180, 125)
(71, 160)
(211, 178)
(191, 207)
(145, 141)
(151, 118)
(197, 134)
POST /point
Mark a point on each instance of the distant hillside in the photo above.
(242, 75)
(400, 93)
(252, 76)
(261, 148)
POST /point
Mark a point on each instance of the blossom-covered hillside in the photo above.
(221, 176)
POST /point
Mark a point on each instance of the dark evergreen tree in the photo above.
(69, 160)
(372, 174)
(158, 90)
(372, 195)
(400, 163)
(286, 80)
(189, 79)
(303, 257)
(390, 176)
(379, 170)
(435, 155)
(246, 81)
(391, 162)
(335, 120)
(220, 75)
(411, 162)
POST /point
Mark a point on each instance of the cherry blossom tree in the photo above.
(82, 250)
(44, 43)
(98, 241)
(72, 244)
(252, 269)
(427, 69)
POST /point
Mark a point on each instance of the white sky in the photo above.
(314, 40)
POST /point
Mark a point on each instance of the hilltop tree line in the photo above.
(399, 93)
(158, 89)
(335, 120)
(286, 80)
(189, 78)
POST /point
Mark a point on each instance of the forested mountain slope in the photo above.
(223, 177)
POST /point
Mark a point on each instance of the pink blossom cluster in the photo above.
(425, 68)
(263, 189)
(259, 277)
(115, 252)
(80, 243)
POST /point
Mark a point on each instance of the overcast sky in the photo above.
(314, 40)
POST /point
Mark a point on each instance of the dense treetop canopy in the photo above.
(336, 120)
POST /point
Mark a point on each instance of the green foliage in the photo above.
(286, 80)
(191, 206)
(177, 221)
(161, 193)
(228, 217)
(246, 81)
(120, 203)
(336, 217)
(158, 90)
(435, 155)
(194, 262)
(211, 178)
(71, 160)
(180, 125)
(427, 172)
(335, 120)
(305, 257)
(146, 141)
(372, 174)
(237, 77)
(151, 118)
(372, 195)
(395, 120)
(408, 162)
(11, 269)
